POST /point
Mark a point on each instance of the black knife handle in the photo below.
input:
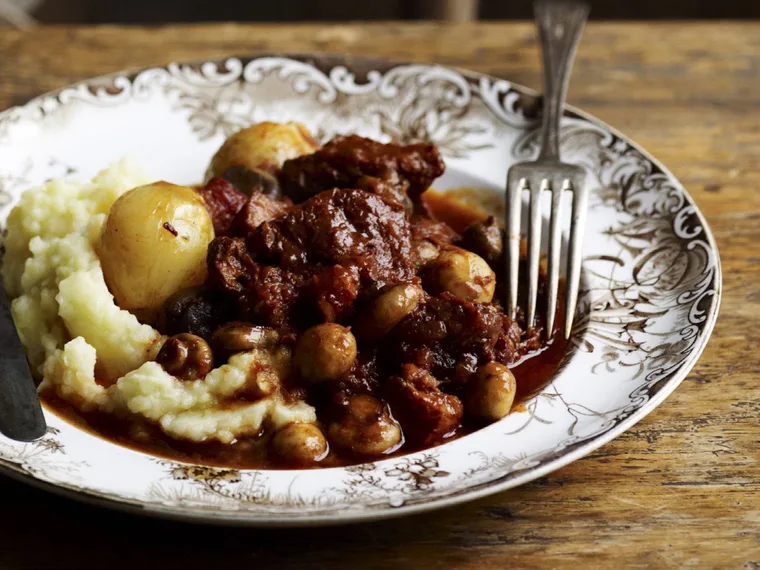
(21, 416)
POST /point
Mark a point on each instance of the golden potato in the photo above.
(263, 146)
(153, 244)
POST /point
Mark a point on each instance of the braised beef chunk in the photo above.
(259, 208)
(262, 294)
(234, 212)
(365, 377)
(324, 252)
(335, 291)
(272, 297)
(447, 332)
(390, 186)
(397, 172)
(437, 232)
(230, 268)
(223, 202)
(340, 227)
(532, 340)
(485, 238)
(425, 412)
(428, 236)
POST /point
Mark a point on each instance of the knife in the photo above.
(21, 415)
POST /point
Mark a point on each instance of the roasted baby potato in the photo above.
(154, 244)
(263, 147)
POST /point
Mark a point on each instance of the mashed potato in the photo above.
(99, 357)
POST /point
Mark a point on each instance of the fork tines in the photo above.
(537, 178)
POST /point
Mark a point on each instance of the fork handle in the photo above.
(560, 24)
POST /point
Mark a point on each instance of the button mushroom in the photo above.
(366, 427)
(249, 181)
(188, 310)
(237, 336)
(299, 445)
(186, 356)
(387, 310)
(325, 352)
(485, 239)
(463, 274)
(491, 392)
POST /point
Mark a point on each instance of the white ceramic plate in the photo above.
(651, 273)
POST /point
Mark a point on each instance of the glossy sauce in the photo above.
(532, 373)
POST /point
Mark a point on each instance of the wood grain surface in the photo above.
(679, 490)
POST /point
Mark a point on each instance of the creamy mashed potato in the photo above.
(99, 357)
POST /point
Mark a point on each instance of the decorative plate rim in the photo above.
(576, 451)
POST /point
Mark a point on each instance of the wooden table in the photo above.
(681, 489)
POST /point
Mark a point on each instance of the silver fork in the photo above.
(560, 24)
